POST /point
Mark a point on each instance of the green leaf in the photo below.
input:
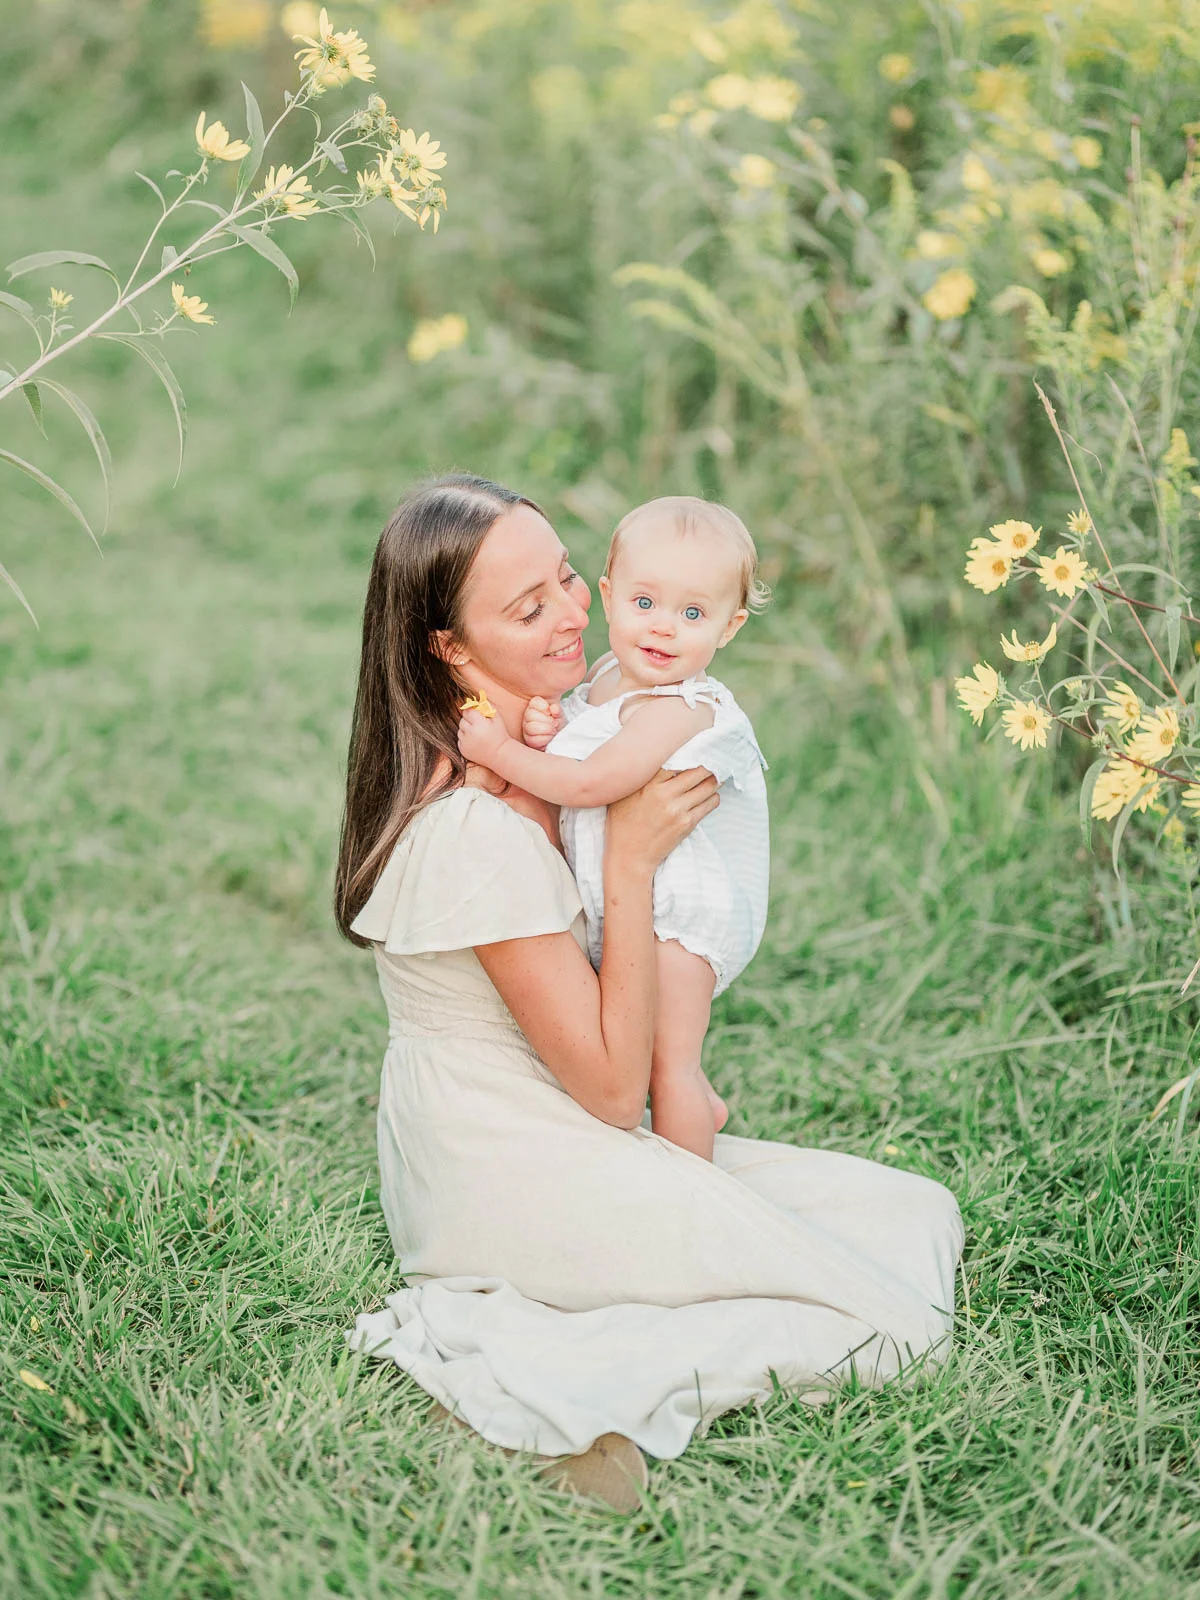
(1085, 799)
(355, 222)
(7, 577)
(1172, 615)
(270, 251)
(30, 391)
(55, 258)
(56, 489)
(258, 142)
(159, 365)
(94, 432)
(331, 153)
(22, 308)
(169, 257)
(1123, 820)
(161, 197)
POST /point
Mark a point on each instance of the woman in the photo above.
(573, 1276)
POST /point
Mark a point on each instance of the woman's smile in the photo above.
(568, 652)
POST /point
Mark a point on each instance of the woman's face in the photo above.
(524, 609)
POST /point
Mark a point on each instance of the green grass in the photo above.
(187, 1169)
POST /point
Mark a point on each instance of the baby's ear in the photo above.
(605, 588)
(732, 626)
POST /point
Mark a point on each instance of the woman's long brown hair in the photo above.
(406, 710)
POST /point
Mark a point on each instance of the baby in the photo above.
(679, 583)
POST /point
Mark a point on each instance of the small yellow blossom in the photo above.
(1079, 522)
(1026, 723)
(755, 172)
(988, 567)
(418, 161)
(702, 122)
(1064, 572)
(1174, 831)
(479, 702)
(1015, 538)
(1050, 263)
(371, 183)
(895, 66)
(1191, 797)
(977, 691)
(334, 58)
(1178, 457)
(190, 306)
(35, 1325)
(710, 45)
(934, 246)
(1157, 735)
(433, 336)
(294, 195)
(1086, 150)
(773, 99)
(902, 119)
(1122, 706)
(1048, 144)
(951, 294)
(975, 176)
(233, 24)
(60, 300)
(1033, 651)
(728, 92)
(215, 142)
(32, 1380)
(1116, 786)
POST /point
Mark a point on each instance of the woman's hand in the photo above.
(646, 826)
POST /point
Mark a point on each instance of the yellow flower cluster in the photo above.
(771, 99)
(990, 561)
(332, 59)
(434, 336)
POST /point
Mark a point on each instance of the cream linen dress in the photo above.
(565, 1278)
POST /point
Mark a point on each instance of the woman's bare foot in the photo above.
(720, 1110)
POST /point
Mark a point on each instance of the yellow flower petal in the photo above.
(479, 702)
(1027, 723)
(978, 691)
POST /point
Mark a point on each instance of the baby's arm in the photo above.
(654, 731)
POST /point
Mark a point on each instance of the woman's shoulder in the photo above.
(468, 869)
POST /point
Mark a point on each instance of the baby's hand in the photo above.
(480, 738)
(542, 720)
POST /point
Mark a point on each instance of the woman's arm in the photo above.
(655, 730)
(596, 1034)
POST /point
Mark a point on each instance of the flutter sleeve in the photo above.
(468, 870)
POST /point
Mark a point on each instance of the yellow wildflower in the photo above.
(1177, 457)
(60, 300)
(216, 144)
(976, 693)
(1122, 706)
(1079, 522)
(934, 246)
(282, 188)
(710, 45)
(334, 58)
(1174, 831)
(433, 336)
(951, 295)
(1026, 723)
(728, 92)
(1015, 538)
(988, 567)
(1116, 786)
(1087, 151)
(1064, 572)
(1033, 651)
(32, 1380)
(773, 99)
(229, 24)
(1191, 797)
(479, 702)
(189, 305)
(895, 66)
(975, 176)
(418, 160)
(371, 183)
(1157, 735)
(755, 172)
(1048, 144)
(902, 119)
(1050, 263)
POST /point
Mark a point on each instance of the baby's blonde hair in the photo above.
(690, 513)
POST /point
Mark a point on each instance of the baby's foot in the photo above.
(720, 1110)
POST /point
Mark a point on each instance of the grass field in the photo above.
(188, 1217)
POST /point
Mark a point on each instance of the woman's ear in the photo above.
(447, 648)
(731, 627)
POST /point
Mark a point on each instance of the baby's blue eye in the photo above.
(643, 602)
(693, 613)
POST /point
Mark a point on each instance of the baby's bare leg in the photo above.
(684, 1108)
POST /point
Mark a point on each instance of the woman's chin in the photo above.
(562, 672)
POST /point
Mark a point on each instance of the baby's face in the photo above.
(672, 600)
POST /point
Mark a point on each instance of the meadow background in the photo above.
(817, 209)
